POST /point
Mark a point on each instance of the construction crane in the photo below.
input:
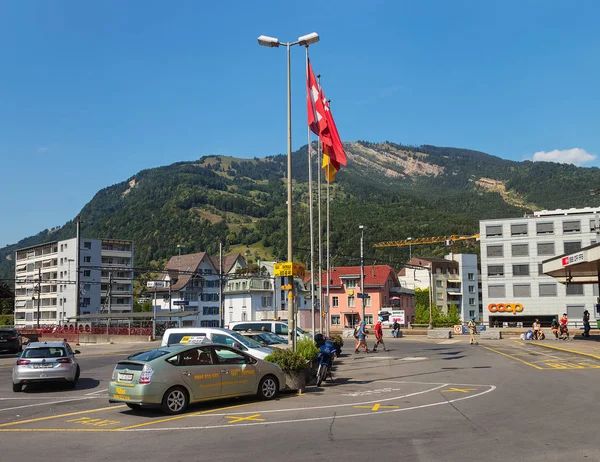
(448, 240)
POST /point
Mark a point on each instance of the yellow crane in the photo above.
(448, 240)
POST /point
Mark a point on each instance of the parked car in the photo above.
(172, 377)
(279, 328)
(43, 362)
(267, 339)
(215, 335)
(10, 340)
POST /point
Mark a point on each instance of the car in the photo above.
(279, 328)
(215, 335)
(267, 339)
(10, 340)
(172, 377)
(43, 362)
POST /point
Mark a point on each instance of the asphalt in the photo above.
(424, 400)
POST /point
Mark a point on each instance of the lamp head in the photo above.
(308, 39)
(267, 41)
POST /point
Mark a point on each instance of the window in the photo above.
(471, 276)
(210, 310)
(471, 301)
(335, 301)
(197, 357)
(518, 229)
(522, 290)
(493, 231)
(545, 248)
(86, 245)
(369, 318)
(520, 250)
(495, 251)
(227, 356)
(266, 302)
(593, 224)
(540, 269)
(471, 289)
(544, 228)
(87, 273)
(547, 289)
(573, 226)
(572, 247)
(351, 284)
(213, 323)
(495, 270)
(574, 289)
(351, 301)
(496, 291)
(86, 287)
(439, 283)
(472, 313)
(281, 329)
(521, 270)
(335, 319)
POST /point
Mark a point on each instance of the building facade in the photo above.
(515, 290)
(46, 277)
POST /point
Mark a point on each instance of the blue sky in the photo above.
(93, 92)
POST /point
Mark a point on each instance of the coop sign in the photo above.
(513, 308)
(572, 259)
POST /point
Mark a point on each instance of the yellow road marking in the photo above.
(40, 419)
(376, 407)
(552, 347)
(514, 357)
(94, 422)
(237, 419)
(169, 419)
(459, 390)
(55, 430)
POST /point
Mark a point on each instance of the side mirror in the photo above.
(77, 352)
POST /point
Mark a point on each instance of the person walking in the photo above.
(472, 325)
(586, 323)
(362, 338)
(396, 329)
(379, 337)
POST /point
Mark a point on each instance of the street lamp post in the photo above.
(409, 239)
(362, 271)
(273, 42)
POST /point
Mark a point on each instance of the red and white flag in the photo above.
(316, 111)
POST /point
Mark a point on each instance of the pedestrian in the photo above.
(396, 329)
(472, 325)
(536, 329)
(361, 339)
(379, 337)
(564, 330)
(586, 323)
(554, 326)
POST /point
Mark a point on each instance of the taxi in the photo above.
(172, 377)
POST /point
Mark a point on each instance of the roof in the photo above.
(228, 261)
(187, 264)
(376, 275)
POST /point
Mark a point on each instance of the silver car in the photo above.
(46, 362)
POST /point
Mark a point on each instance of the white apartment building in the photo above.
(454, 279)
(515, 290)
(56, 295)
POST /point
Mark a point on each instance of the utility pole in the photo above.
(78, 270)
(39, 295)
(430, 298)
(154, 314)
(362, 271)
(221, 304)
(109, 296)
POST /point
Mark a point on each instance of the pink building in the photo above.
(381, 286)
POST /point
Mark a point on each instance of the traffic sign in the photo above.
(286, 287)
(181, 302)
(361, 295)
(289, 269)
(156, 284)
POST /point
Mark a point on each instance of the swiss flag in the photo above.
(316, 111)
(565, 261)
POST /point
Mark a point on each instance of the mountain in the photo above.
(395, 191)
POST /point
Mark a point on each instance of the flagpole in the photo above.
(320, 234)
(310, 207)
(328, 267)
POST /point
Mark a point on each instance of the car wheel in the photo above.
(268, 387)
(77, 374)
(17, 387)
(175, 400)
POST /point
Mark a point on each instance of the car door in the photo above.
(200, 373)
(238, 371)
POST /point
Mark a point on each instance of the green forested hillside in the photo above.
(395, 191)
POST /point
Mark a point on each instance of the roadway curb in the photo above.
(581, 353)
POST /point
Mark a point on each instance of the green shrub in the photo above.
(288, 360)
(307, 349)
(337, 340)
(7, 320)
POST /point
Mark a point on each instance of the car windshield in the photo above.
(247, 342)
(271, 338)
(148, 355)
(44, 352)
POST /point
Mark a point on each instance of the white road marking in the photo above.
(95, 392)
(313, 419)
(49, 403)
(448, 342)
(413, 358)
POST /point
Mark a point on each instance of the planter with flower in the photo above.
(293, 365)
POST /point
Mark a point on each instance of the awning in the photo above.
(581, 267)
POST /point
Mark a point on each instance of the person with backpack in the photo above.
(360, 334)
(379, 337)
(472, 325)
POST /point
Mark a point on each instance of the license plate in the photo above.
(42, 366)
(3, 340)
(125, 377)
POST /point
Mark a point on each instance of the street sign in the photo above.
(289, 269)
(360, 295)
(286, 287)
(181, 302)
(156, 284)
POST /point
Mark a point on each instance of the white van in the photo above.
(277, 327)
(215, 335)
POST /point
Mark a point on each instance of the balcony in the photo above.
(116, 253)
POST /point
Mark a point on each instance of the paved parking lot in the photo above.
(425, 400)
